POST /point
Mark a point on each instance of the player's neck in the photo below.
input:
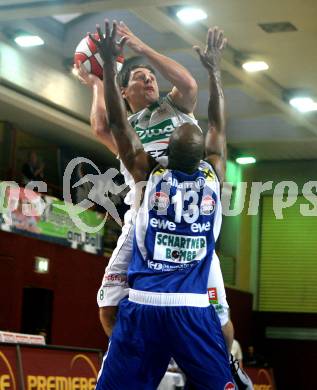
(189, 170)
(139, 106)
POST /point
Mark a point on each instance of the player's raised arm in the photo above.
(130, 148)
(215, 142)
(184, 92)
(98, 113)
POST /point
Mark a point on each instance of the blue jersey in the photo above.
(175, 231)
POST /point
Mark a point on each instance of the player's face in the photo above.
(142, 88)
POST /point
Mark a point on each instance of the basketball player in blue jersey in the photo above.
(154, 120)
(167, 312)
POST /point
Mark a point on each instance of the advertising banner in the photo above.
(262, 378)
(48, 368)
(21, 338)
(59, 370)
(8, 368)
(28, 213)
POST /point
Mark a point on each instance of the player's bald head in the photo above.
(186, 148)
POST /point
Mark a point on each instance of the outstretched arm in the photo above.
(98, 113)
(131, 151)
(184, 92)
(215, 142)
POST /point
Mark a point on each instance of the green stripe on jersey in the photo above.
(158, 132)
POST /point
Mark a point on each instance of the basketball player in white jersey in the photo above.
(154, 120)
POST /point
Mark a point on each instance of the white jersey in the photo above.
(154, 126)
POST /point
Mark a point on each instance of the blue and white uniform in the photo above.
(168, 312)
(154, 125)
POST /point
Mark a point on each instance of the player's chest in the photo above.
(156, 125)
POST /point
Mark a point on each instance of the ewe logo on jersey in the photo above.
(179, 248)
(162, 224)
(155, 133)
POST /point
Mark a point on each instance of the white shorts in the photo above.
(114, 285)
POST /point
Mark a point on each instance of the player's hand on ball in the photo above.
(215, 44)
(84, 77)
(131, 40)
(108, 48)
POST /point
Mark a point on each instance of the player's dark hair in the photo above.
(186, 148)
(125, 72)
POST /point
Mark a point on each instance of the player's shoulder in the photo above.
(159, 170)
(208, 171)
(169, 100)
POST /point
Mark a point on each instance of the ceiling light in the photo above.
(41, 265)
(255, 66)
(66, 18)
(29, 40)
(191, 15)
(303, 104)
(245, 160)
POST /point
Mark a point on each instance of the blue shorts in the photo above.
(146, 337)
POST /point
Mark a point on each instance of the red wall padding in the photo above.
(74, 278)
(240, 303)
(294, 361)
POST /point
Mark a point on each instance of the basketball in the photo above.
(87, 54)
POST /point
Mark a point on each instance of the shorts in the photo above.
(114, 285)
(145, 337)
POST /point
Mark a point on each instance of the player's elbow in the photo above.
(100, 131)
(99, 125)
(191, 86)
(185, 94)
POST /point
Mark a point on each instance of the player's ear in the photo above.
(123, 92)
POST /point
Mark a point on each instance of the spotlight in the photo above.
(190, 15)
(26, 40)
(303, 104)
(255, 66)
(245, 160)
(41, 265)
